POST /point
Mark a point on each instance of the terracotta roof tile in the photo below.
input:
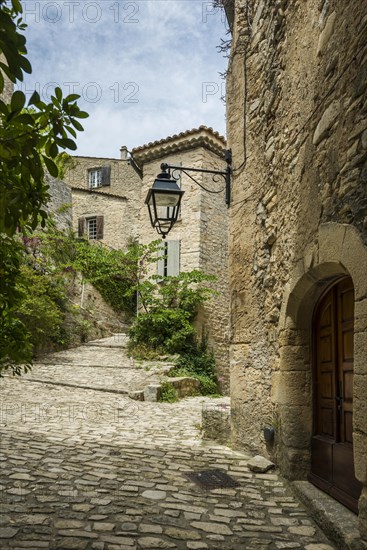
(181, 135)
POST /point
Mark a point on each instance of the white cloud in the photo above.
(145, 70)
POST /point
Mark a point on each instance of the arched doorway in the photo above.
(332, 462)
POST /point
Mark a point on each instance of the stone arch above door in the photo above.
(337, 251)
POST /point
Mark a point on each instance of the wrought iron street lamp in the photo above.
(163, 201)
(164, 198)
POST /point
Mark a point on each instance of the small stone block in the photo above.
(260, 464)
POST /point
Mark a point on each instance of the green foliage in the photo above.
(170, 308)
(110, 271)
(198, 363)
(31, 137)
(84, 327)
(42, 307)
(167, 330)
(168, 393)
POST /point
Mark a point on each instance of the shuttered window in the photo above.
(99, 177)
(91, 227)
(168, 264)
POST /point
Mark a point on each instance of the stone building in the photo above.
(297, 126)
(109, 205)
(199, 238)
(106, 196)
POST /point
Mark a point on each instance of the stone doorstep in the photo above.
(338, 523)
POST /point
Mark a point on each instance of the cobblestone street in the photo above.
(89, 469)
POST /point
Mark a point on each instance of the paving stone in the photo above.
(303, 531)
(211, 527)
(7, 532)
(318, 547)
(114, 539)
(100, 526)
(154, 495)
(181, 534)
(153, 542)
(68, 524)
(148, 528)
(77, 533)
(71, 544)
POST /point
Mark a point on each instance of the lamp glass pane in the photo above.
(166, 199)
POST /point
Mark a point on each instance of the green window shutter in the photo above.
(106, 176)
(161, 260)
(173, 258)
(99, 227)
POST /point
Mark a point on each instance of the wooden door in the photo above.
(332, 464)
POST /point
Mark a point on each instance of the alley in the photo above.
(88, 469)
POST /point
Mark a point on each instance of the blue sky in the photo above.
(145, 69)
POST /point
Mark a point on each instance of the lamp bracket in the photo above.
(225, 174)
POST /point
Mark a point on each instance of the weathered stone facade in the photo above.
(202, 227)
(297, 126)
(117, 202)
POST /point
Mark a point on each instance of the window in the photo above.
(169, 259)
(95, 178)
(99, 177)
(91, 227)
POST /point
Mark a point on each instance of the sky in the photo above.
(145, 69)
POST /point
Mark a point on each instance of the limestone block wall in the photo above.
(202, 232)
(214, 261)
(118, 202)
(297, 125)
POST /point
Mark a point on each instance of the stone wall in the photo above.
(297, 125)
(60, 203)
(118, 202)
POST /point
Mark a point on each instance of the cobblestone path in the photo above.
(89, 469)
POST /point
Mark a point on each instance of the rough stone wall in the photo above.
(214, 261)
(297, 125)
(202, 232)
(118, 202)
(60, 202)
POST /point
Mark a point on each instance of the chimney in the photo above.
(123, 151)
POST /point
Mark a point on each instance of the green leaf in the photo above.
(4, 108)
(77, 124)
(17, 101)
(67, 143)
(54, 150)
(17, 6)
(51, 166)
(35, 98)
(58, 93)
(71, 97)
(81, 114)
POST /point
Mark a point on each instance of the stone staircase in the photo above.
(105, 365)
